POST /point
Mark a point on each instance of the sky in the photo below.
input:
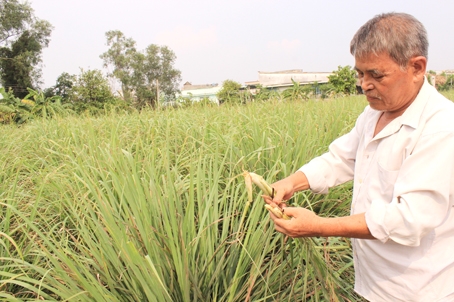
(217, 40)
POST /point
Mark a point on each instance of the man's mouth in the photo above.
(373, 97)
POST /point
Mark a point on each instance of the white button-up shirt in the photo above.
(404, 183)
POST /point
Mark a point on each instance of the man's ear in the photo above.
(418, 67)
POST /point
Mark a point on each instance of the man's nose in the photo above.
(366, 84)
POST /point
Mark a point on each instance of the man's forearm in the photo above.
(300, 182)
(349, 226)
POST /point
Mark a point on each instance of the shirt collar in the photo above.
(412, 115)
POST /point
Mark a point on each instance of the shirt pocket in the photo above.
(386, 180)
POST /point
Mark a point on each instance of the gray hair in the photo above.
(401, 35)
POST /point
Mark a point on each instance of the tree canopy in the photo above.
(230, 92)
(343, 80)
(87, 92)
(146, 76)
(22, 39)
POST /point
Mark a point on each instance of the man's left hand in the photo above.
(304, 223)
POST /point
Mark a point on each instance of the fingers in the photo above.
(280, 225)
(290, 211)
(270, 201)
(278, 196)
(267, 199)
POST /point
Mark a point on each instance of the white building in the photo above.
(198, 92)
(278, 80)
(281, 80)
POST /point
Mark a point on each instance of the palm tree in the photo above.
(296, 92)
(45, 106)
(13, 109)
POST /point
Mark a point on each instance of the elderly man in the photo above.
(400, 155)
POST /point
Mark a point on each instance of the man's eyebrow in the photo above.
(375, 71)
(371, 71)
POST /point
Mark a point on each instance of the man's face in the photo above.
(387, 87)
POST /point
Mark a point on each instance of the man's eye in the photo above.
(377, 76)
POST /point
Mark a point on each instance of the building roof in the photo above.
(189, 86)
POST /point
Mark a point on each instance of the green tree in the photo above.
(120, 57)
(63, 87)
(22, 38)
(91, 92)
(343, 80)
(14, 19)
(147, 75)
(154, 75)
(230, 93)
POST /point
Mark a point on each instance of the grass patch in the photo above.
(151, 206)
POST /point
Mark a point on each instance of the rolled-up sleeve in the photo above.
(421, 193)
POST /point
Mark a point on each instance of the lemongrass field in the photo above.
(152, 206)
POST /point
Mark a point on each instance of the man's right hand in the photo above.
(285, 188)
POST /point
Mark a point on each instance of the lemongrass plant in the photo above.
(152, 206)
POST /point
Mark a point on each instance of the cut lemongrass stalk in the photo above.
(253, 178)
(278, 212)
(262, 184)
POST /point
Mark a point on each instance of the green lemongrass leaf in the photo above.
(149, 206)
